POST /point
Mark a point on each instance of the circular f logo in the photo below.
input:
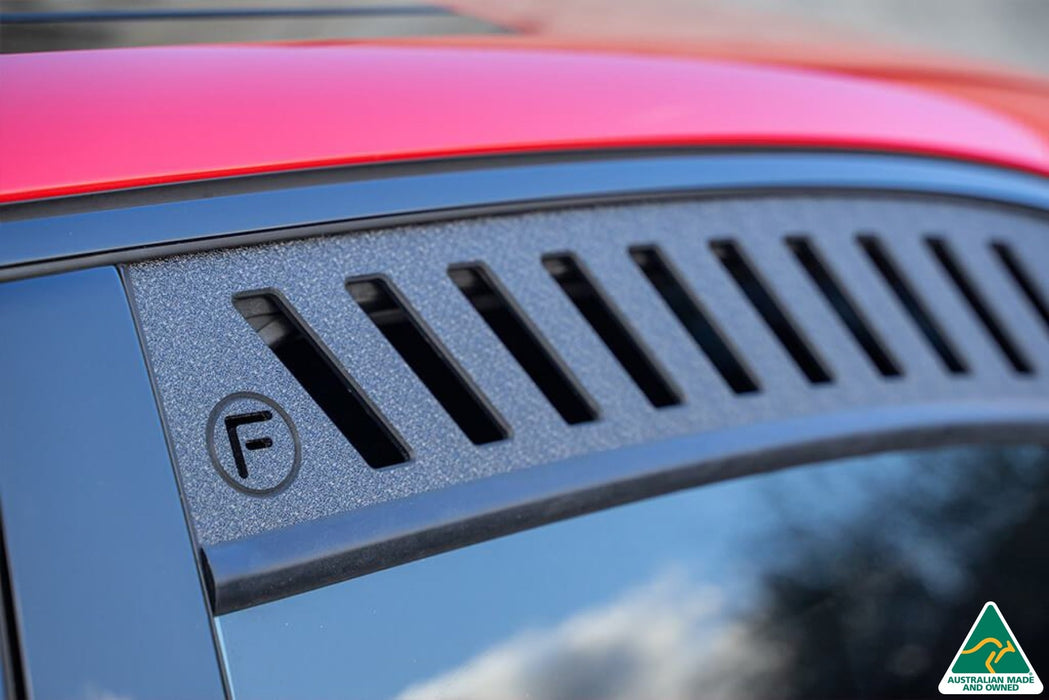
(253, 444)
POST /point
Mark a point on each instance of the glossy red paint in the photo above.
(78, 122)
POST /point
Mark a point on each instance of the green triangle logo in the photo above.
(990, 661)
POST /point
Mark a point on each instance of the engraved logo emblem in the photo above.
(253, 444)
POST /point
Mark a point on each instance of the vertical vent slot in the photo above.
(946, 259)
(312, 364)
(732, 259)
(430, 361)
(687, 309)
(879, 257)
(1023, 280)
(611, 328)
(844, 306)
(503, 316)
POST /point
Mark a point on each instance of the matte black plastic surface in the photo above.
(202, 350)
(191, 328)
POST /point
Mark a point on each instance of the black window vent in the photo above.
(524, 342)
(311, 362)
(942, 251)
(731, 257)
(316, 369)
(313, 365)
(427, 357)
(889, 271)
(606, 327)
(1023, 279)
(843, 306)
(688, 310)
(609, 324)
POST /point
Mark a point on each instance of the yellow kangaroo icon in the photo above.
(996, 655)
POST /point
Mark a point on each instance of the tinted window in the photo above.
(857, 578)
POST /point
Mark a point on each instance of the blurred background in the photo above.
(1004, 33)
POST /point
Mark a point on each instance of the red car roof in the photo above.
(87, 121)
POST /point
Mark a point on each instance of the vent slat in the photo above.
(941, 251)
(843, 306)
(503, 315)
(732, 259)
(687, 309)
(314, 367)
(889, 272)
(428, 359)
(1023, 280)
(613, 330)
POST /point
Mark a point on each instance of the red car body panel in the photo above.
(89, 121)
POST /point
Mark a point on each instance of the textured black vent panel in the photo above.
(941, 250)
(432, 364)
(606, 320)
(843, 306)
(319, 374)
(461, 350)
(913, 304)
(689, 311)
(730, 255)
(524, 342)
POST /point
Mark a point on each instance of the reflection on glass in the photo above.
(858, 578)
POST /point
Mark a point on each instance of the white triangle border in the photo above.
(956, 688)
